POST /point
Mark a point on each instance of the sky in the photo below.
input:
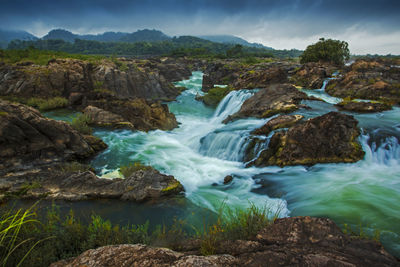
(368, 26)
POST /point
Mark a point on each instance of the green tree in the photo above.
(332, 51)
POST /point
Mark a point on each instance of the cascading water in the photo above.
(203, 150)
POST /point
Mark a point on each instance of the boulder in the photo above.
(364, 107)
(278, 98)
(228, 179)
(312, 75)
(102, 118)
(325, 139)
(260, 78)
(28, 139)
(282, 121)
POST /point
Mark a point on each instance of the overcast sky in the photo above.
(368, 26)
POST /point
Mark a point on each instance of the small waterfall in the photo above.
(387, 153)
(231, 104)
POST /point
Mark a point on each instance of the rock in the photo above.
(278, 98)
(325, 139)
(374, 79)
(96, 143)
(57, 183)
(312, 75)
(228, 179)
(297, 241)
(138, 114)
(282, 121)
(102, 118)
(27, 138)
(142, 255)
(219, 73)
(260, 78)
(363, 106)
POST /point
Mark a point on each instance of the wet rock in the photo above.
(312, 75)
(297, 241)
(57, 183)
(103, 118)
(27, 138)
(325, 139)
(282, 121)
(228, 179)
(365, 107)
(375, 79)
(278, 98)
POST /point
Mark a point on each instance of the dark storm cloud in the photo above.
(254, 19)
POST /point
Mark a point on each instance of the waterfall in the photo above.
(231, 104)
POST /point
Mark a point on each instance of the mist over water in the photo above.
(203, 150)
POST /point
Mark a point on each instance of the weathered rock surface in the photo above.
(60, 184)
(297, 241)
(369, 79)
(282, 121)
(103, 118)
(363, 106)
(27, 139)
(260, 78)
(325, 139)
(278, 98)
(312, 75)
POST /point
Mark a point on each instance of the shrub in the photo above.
(81, 124)
(332, 51)
(214, 96)
(47, 104)
(129, 169)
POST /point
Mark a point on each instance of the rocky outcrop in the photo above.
(137, 114)
(364, 107)
(278, 98)
(29, 139)
(312, 75)
(375, 79)
(260, 78)
(73, 78)
(297, 241)
(102, 118)
(325, 139)
(282, 121)
(219, 73)
(58, 183)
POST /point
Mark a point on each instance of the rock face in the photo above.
(282, 121)
(324, 139)
(219, 73)
(103, 118)
(27, 138)
(372, 79)
(52, 184)
(312, 75)
(297, 241)
(279, 98)
(363, 106)
(137, 114)
(68, 77)
(260, 78)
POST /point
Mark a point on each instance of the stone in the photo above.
(282, 121)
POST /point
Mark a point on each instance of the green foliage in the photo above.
(214, 96)
(47, 104)
(362, 232)
(332, 51)
(131, 168)
(81, 124)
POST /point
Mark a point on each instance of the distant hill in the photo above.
(139, 36)
(7, 36)
(231, 39)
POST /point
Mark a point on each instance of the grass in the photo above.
(47, 104)
(214, 96)
(128, 170)
(81, 124)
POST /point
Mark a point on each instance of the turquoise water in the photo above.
(203, 150)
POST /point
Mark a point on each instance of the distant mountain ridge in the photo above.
(7, 36)
(231, 39)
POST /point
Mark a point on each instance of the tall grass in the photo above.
(81, 124)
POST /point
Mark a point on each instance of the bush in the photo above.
(47, 104)
(331, 51)
(214, 96)
(129, 169)
(81, 124)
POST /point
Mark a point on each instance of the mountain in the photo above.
(231, 39)
(7, 36)
(139, 36)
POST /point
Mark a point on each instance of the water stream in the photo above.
(203, 150)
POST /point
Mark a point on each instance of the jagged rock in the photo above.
(138, 114)
(369, 79)
(282, 121)
(325, 139)
(102, 118)
(56, 183)
(312, 75)
(278, 98)
(297, 241)
(260, 78)
(27, 138)
(363, 106)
